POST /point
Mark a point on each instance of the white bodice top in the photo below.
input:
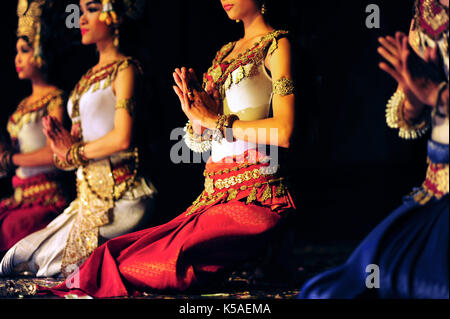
(246, 90)
(97, 111)
(30, 139)
(26, 128)
(250, 99)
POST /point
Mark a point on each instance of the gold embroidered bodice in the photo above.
(245, 87)
(26, 129)
(430, 28)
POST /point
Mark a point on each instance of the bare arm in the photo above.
(119, 138)
(282, 122)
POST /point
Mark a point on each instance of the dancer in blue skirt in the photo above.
(406, 256)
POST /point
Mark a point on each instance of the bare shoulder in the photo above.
(279, 60)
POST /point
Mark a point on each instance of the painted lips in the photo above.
(18, 70)
(228, 7)
(84, 31)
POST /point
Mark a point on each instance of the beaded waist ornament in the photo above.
(250, 182)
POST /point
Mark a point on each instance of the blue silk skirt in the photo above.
(410, 249)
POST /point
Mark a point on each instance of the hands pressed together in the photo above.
(420, 89)
(60, 139)
(200, 106)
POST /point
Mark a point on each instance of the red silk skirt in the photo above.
(226, 226)
(36, 202)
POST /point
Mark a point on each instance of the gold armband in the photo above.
(396, 120)
(127, 104)
(283, 87)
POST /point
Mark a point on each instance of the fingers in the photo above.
(389, 44)
(46, 122)
(386, 68)
(177, 79)
(399, 40)
(49, 134)
(193, 75)
(179, 93)
(57, 124)
(194, 80)
(389, 57)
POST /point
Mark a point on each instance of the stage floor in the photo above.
(309, 259)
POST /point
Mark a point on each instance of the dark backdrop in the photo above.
(347, 170)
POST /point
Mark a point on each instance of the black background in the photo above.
(347, 169)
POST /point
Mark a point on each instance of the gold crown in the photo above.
(133, 9)
(29, 13)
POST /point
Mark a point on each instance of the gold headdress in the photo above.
(29, 13)
(131, 8)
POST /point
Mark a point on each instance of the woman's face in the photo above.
(25, 66)
(239, 9)
(92, 29)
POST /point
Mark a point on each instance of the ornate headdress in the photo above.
(29, 13)
(131, 9)
(432, 18)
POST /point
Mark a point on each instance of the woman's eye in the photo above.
(93, 9)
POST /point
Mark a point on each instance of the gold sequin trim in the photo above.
(395, 119)
(436, 21)
(208, 198)
(436, 184)
(246, 63)
(27, 113)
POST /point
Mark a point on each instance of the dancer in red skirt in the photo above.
(244, 198)
(38, 197)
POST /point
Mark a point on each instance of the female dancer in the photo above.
(244, 198)
(406, 256)
(38, 197)
(112, 199)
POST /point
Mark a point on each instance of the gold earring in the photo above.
(237, 21)
(116, 37)
(263, 9)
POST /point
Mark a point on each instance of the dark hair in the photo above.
(276, 12)
(56, 41)
(129, 30)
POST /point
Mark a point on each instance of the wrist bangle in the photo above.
(6, 162)
(75, 155)
(68, 157)
(197, 143)
(217, 134)
(396, 120)
(62, 165)
(228, 126)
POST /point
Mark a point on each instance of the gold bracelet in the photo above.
(396, 120)
(62, 165)
(228, 126)
(68, 156)
(76, 157)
